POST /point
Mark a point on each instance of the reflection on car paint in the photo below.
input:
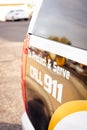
(46, 76)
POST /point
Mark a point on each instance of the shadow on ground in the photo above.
(8, 126)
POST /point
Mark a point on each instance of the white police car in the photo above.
(54, 67)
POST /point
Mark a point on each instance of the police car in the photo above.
(54, 67)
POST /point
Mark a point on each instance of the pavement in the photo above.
(11, 102)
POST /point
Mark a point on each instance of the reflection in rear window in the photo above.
(63, 18)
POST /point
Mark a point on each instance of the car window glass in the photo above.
(20, 10)
(11, 11)
(65, 19)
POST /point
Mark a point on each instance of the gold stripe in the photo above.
(66, 109)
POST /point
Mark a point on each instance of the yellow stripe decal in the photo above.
(66, 109)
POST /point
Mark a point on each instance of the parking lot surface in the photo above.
(11, 103)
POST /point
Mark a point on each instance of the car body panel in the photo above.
(26, 123)
(55, 62)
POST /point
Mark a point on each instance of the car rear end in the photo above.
(54, 67)
(21, 14)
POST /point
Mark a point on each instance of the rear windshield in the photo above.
(65, 19)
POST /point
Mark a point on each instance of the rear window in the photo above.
(65, 19)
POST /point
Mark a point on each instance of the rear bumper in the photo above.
(26, 123)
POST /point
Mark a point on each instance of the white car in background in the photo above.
(17, 14)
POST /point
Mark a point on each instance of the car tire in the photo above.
(26, 19)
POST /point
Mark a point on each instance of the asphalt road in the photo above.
(11, 103)
(13, 31)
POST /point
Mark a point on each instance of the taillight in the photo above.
(25, 45)
(23, 68)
